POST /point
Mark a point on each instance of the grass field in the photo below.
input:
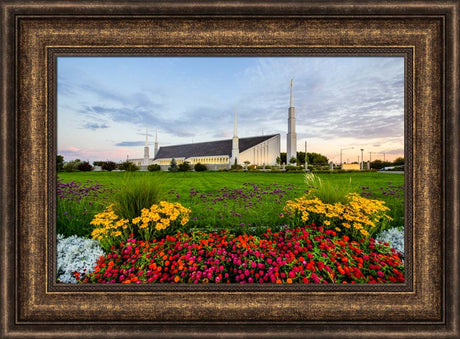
(209, 181)
(244, 200)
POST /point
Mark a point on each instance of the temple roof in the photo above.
(211, 148)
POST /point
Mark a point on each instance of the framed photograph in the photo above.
(178, 94)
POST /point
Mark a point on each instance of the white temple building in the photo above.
(258, 150)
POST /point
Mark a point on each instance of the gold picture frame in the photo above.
(33, 36)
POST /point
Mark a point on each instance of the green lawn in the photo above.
(209, 181)
(244, 199)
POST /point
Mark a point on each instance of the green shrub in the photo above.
(200, 167)
(72, 166)
(184, 167)
(137, 192)
(292, 168)
(128, 166)
(154, 168)
(236, 167)
(59, 163)
(173, 166)
(109, 166)
(85, 166)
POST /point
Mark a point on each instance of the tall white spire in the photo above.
(291, 135)
(155, 151)
(235, 125)
(145, 162)
(235, 143)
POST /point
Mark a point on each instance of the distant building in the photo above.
(258, 150)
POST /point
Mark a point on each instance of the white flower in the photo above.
(393, 236)
(76, 254)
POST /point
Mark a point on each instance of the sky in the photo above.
(105, 104)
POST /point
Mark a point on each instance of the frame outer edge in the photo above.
(7, 172)
(452, 174)
(451, 171)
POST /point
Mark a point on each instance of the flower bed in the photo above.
(308, 254)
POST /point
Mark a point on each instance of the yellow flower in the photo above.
(337, 229)
(364, 232)
(347, 225)
(357, 226)
(327, 222)
(136, 220)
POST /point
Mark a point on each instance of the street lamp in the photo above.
(306, 157)
(343, 149)
(370, 155)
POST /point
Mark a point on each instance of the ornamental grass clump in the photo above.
(358, 217)
(136, 193)
(325, 190)
(154, 222)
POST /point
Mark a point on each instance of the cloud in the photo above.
(130, 143)
(395, 151)
(94, 126)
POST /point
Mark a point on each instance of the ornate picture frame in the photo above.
(33, 36)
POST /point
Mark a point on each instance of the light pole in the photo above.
(370, 155)
(362, 159)
(343, 149)
(306, 157)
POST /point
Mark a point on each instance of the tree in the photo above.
(173, 166)
(301, 157)
(128, 166)
(278, 160)
(317, 159)
(293, 160)
(71, 166)
(236, 166)
(246, 163)
(200, 167)
(398, 161)
(59, 163)
(109, 166)
(98, 163)
(185, 167)
(85, 166)
(283, 157)
(377, 164)
(154, 168)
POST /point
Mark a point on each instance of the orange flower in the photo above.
(278, 281)
(176, 278)
(289, 280)
(341, 270)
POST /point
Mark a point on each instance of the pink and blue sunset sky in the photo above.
(106, 103)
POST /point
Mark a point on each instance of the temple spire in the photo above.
(235, 143)
(291, 135)
(235, 125)
(155, 150)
